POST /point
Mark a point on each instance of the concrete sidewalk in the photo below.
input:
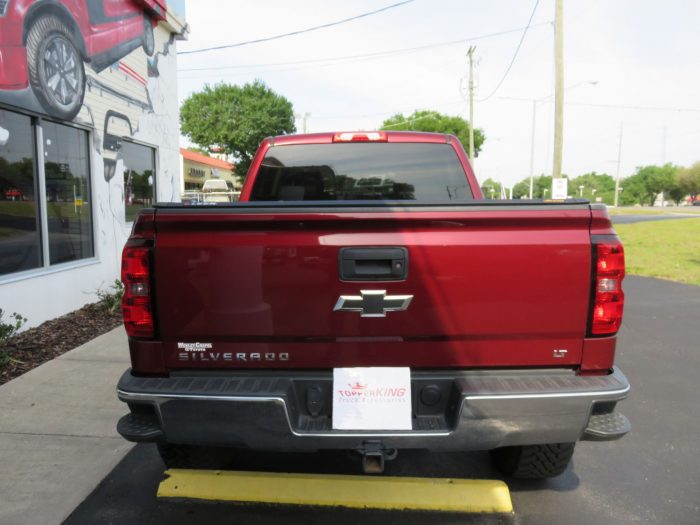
(57, 431)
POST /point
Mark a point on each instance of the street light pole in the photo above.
(471, 104)
(536, 101)
(303, 118)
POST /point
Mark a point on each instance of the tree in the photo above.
(633, 191)
(602, 183)
(521, 190)
(541, 187)
(435, 122)
(199, 149)
(236, 118)
(649, 181)
(488, 185)
(676, 193)
(689, 180)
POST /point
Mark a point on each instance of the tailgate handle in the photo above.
(373, 264)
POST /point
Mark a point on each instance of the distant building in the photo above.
(197, 168)
(217, 153)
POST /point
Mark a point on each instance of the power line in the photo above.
(515, 55)
(411, 121)
(613, 106)
(307, 30)
(379, 54)
(385, 113)
(642, 108)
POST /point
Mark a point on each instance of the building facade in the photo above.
(89, 135)
(198, 168)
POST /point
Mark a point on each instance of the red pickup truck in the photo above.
(362, 295)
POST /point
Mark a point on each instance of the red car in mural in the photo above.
(45, 44)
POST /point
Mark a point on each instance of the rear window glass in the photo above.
(361, 171)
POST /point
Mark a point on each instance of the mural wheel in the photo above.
(149, 42)
(56, 70)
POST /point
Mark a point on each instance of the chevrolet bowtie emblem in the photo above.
(372, 303)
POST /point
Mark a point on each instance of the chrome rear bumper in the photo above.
(269, 410)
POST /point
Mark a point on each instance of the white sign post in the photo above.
(4, 136)
(560, 188)
(372, 398)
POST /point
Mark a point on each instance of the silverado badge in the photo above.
(372, 303)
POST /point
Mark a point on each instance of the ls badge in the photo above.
(372, 303)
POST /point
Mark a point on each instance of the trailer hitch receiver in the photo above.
(374, 454)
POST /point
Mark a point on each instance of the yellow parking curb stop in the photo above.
(397, 493)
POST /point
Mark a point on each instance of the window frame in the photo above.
(46, 267)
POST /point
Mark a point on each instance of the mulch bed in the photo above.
(35, 346)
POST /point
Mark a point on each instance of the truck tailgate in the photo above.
(256, 286)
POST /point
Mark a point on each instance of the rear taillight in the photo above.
(608, 297)
(136, 304)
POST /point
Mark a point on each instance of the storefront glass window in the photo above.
(68, 202)
(20, 238)
(139, 174)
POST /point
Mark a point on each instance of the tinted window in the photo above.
(361, 171)
(68, 202)
(20, 241)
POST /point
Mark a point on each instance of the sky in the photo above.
(629, 63)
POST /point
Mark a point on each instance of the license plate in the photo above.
(372, 398)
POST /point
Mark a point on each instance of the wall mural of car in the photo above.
(45, 44)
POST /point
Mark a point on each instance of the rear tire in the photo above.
(175, 455)
(533, 461)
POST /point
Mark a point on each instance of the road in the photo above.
(626, 219)
(651, 476)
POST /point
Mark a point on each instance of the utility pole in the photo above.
(617, 175)
(470, 53)
(558, 87)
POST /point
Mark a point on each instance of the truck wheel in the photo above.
(175, 455)
(533, 461)
(149, 41)
(56, 70)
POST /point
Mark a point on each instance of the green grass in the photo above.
(7, 232)
(55, 209)
(18, 208)
(664, 249)
(133, 210)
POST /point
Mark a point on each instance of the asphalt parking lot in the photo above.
(651, 476)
